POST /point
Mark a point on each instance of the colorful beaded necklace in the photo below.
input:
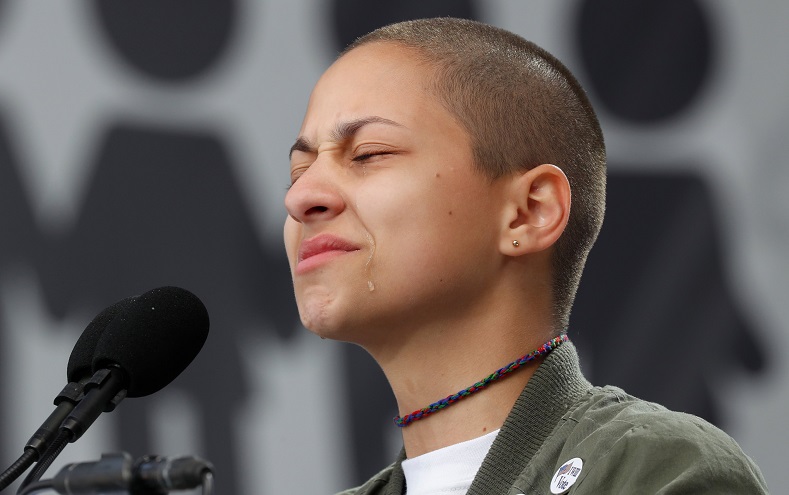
(501, 373)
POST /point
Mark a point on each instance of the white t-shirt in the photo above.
(447, 471)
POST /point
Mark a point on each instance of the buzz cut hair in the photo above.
(521, 108)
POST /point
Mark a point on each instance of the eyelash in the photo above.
(366, 156)
(362, 158)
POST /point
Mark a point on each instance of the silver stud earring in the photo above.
(516, 243)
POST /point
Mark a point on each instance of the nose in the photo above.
(315, 196)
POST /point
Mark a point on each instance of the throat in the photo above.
(473, 411)
(403, 421)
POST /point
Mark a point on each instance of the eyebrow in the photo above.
(342, 132)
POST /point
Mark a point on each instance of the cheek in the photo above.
(426, 221)
(414, 232)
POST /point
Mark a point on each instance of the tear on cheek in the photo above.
(371, 242)
(369, 264)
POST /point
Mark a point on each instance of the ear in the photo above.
(536, 211)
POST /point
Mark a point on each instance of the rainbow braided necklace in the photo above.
(501, 373)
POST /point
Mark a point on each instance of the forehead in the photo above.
(383, 79)
(378, 63)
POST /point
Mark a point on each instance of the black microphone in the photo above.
(151, 340)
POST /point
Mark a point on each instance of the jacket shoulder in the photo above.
(633, 446)
(627, 445)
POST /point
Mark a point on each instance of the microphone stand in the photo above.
(118, 474)
(103, 392)
(39, 443)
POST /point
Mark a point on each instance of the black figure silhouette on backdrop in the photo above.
(654, 312)
(165, 209)
(169, 41)
(646, 62)
(162, 207)
(20, 241)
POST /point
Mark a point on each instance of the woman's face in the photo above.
(389, 226)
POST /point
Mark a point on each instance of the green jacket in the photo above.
(626, 445)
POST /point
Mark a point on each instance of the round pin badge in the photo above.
(567, 475)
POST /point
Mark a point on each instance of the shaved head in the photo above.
(521, 108)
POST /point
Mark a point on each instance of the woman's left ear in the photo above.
(536, 211)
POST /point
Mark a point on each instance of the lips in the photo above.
(320, 249)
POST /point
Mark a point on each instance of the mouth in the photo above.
(320, 249)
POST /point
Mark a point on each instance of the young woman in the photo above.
(448, 183)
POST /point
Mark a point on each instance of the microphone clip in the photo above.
(101, 377)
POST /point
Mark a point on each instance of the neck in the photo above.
(469, 418)
(451, 354)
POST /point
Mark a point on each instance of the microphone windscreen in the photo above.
(80, 363)
(153, 338)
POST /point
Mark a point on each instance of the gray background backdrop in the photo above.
(145, 144)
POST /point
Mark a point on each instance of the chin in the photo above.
(327, 313)
(327, 325)
(318, 315)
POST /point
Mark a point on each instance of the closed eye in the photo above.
(366, 157)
